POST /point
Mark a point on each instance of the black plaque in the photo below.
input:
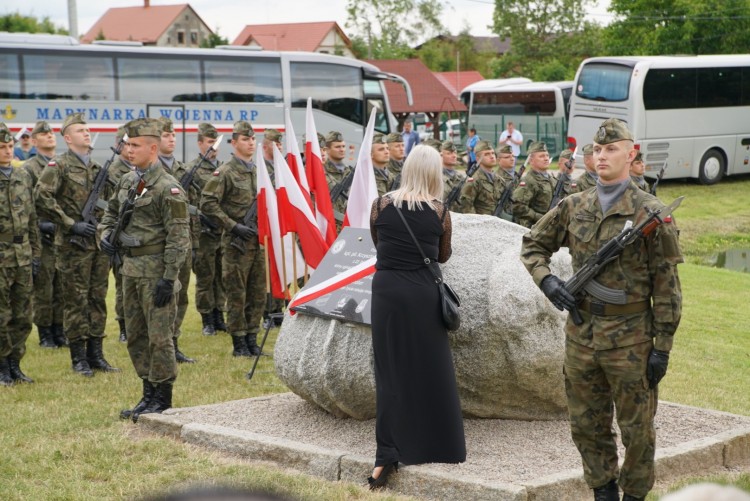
(350, 303)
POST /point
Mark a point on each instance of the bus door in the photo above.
(176, 112)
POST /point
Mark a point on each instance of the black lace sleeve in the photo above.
(377, 206)
(444, 250)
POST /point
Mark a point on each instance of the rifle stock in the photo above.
(507, 194)
(456, 191)
(251, 221)
(342, 187)
(123, 218)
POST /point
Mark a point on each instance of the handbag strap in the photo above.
(426, 259)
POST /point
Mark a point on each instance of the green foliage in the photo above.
(446, 54)
(385, 29)
(15, 23)
(213, 40)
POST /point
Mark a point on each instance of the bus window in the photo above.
(670, 88)
(154, 80)
(719, 87)
(381, 122)
(243, 81)
(604, 82)
(10, 77)
(514, 103)
(321, 81)
(55, 76)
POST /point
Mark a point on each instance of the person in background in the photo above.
(512, 138)
(24, 149)
(411, 137)
(637, 168)
(471, 143)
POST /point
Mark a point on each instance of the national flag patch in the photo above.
(175, 191)
(573, 185)
(668, 219)
(470, 180)
(52, 163)
(522, 183)
(216, 173)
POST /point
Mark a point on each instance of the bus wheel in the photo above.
(712, 167)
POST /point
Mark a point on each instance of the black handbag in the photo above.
(449, 300)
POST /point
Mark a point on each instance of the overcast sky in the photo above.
(230, 16)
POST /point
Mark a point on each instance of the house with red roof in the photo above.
(456, 81)
(324, 37)
(163, 25)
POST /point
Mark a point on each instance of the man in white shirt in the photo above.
(512, 138)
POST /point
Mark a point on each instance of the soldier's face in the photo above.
(539, 160)
(323, 155)
(142, 151)
(562, 165)
(268, 148)
(487, 159)
(613, 160)
(6, 153)
(397, 151)
(337, 151)
(167, 143)
(78, 136)
(506, 160)
(205, 143)
(44, 140)
(380, 154)
(449, 158)
(637, 168)
(588, 161)
(244, 147)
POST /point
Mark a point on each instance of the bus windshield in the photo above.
(604, 82)
(514, 103)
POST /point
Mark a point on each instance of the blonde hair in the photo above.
(421, 178)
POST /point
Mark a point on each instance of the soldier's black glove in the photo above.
(163, 292)
(242, 231)
(47, 227)
(657, 366)
(194, 255)
(555, 291)
(107, 247)
(84, 229)
(36, 265)
(205, 222)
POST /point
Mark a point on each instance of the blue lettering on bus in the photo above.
(229, 117)
(129, 114)
(105, 115)
(253, 115)
(57, 115)
(142, 114)
(243, 115)
(196, 115)
(42, 113)
(179, 115)
(207, 115)
(217, 116)
(92, 114)
(117, 114)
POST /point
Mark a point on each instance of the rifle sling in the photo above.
(144, 250)
(608, 310)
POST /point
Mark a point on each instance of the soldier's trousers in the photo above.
(119, 308)
(150, 344)
(48, 292)
(16, 289)
(594, 381)
(209, 287)
(182, 296)
(244, 275)
(85, 275)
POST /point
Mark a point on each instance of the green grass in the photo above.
(62, 440)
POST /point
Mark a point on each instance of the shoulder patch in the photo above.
(216, 172)
(469, 179)
(522, 183)
(175, 191)
(668, 219)
(573, 185)
(52, 163)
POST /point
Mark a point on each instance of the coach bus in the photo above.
(689, 113)
(538, 110)
(46, 77)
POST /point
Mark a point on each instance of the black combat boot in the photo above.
(58, 335)
(78, 358)
(123, 334)
(159, 402)
(208, 324)
(252, 345)
(628, 497)
(219, 323)
(15, 371)
(95, 355)
(181, 357)
(607, 492)
(148, 393)
(5, 378)
(46, 339)
(240, 347)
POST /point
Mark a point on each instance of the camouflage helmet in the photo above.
(638, 156)
(243, 128)
(505, 150)
(166, 124)
(566, 154)
(612, 130)
(588, 149)
(5, 135)
(142, 127)
(482, 146)
(40, 127)
(394, 137)
(334, 137)
(72, 119)
(537, 147)
(448, 145)
(272, 135)
(207, 130)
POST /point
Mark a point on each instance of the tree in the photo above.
(213, 40)
(16, 22)
(387, 28)
(451, 53)
(657, 27)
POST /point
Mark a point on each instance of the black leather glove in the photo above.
(106, 246)
(555, 291)
(47, 227)
(194, 255)
(657, 366)
(205, 222)
(36, 265)
(242, 231)
(84, 229)
(163, 292)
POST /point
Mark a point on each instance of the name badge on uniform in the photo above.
(585, 217)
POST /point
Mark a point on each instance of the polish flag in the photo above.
(269, 233)
(316, 179)
(296, 212)
(294, 159)
(364, 190)
(347, 277)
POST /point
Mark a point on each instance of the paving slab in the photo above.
(506, 460)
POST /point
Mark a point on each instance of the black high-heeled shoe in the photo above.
(382, 480)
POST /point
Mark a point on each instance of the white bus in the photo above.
(688, 112)
(46, 77)
(538, 110)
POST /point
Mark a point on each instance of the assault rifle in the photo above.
(583, 279)
(340, 190)
(505, 198)
(557, 194)
(251, 221)
(93, 202)
(456, 191)
(188, 180)
(658, 179)
(117, 237)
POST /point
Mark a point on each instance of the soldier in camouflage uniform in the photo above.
(210, 299)
(637, 168)
(48, 290)
(506, 170)
(397, 155)
(61, 193)
(336, 171)
(176, 169)
(533, 195)
(226, 199)
(587, 179)
(380, 156)
(20, 253)
(618, 355)
(482, 191)
(451, 176)
(566, 164)
(433, 142)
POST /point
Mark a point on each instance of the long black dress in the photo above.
(418, 417)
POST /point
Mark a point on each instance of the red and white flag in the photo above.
(293, 157)
(344, 278)
(316, 179)
(363, 190)
(296, 212)
(269, 234)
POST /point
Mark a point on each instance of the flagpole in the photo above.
(250, 374)
(283, 269)
(294, 262)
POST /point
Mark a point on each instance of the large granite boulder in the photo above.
(508, 352)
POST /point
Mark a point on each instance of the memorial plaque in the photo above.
(350, 303)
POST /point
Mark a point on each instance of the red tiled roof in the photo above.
(430, 95)
(465, 78)
(139, 24)
(292, 36)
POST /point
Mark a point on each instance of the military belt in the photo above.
(601, 309)
(12, 239)
(145, 250)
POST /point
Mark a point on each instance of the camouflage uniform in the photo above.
(481, 193)
(451, 177)
(19, 244)
(532, 197)
(395, 166)
(119, 168)
(606, 357)
(226, 199)
(583, 183)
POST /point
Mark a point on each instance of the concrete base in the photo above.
(506, 460)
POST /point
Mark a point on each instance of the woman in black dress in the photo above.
(418, 417)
